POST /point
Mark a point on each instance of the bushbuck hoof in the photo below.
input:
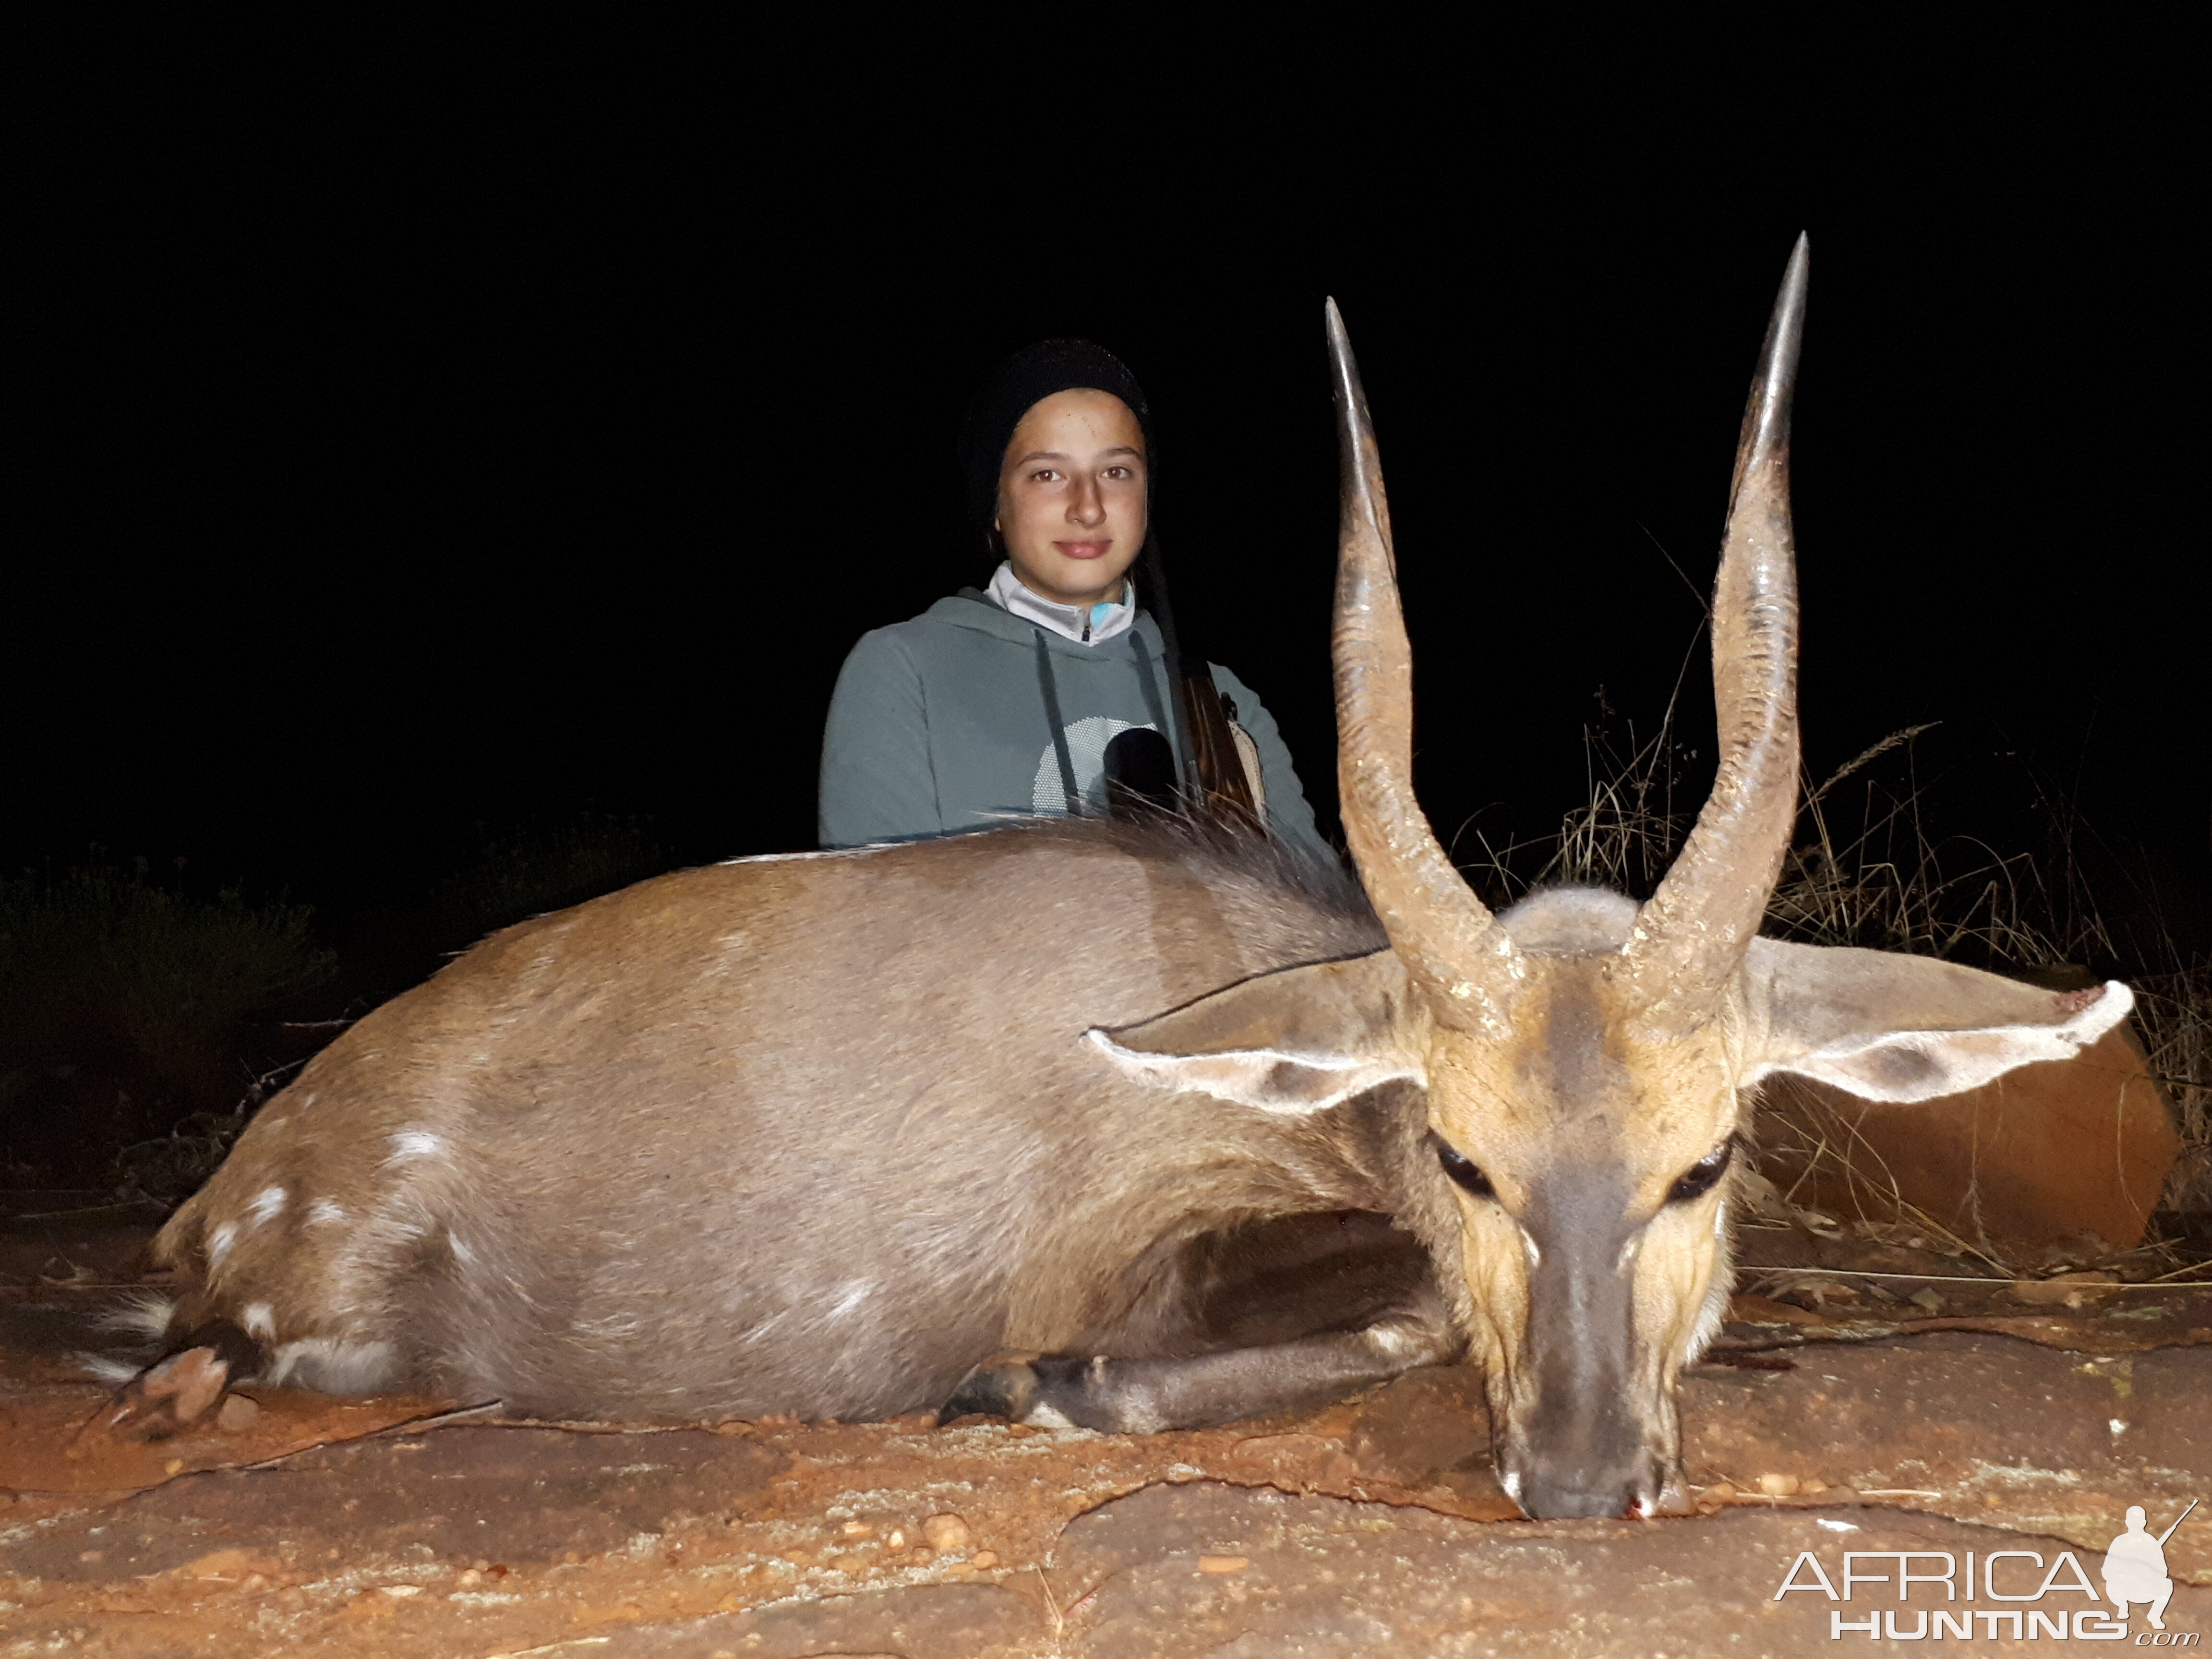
(1004, 1385)
(180, 1388)
(165, 1397)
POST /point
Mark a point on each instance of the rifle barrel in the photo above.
(2178, 1520)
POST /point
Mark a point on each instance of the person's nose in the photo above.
(1086, 504)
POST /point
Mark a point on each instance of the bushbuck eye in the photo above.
(1464, 1171)
(1698, 1180)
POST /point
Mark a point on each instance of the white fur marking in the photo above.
(324, 1213)
(259, 1319)
(1045, 1417)
(334, 1365)
(1245, 1077)
(219, 1243)
(410, 1143)
(825, 853)
(856, 1294)
(1510, 1479)
(267, 1205)
(147, 1314)
(1389, 1342)
(1529, 1245)
(462, 1252)
(105, 1368)
(1961, 1059)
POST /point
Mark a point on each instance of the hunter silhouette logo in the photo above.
(2134, 1571)
(2134, 1567)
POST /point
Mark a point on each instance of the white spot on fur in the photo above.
(259, 1319)
(411, 1144)
(856, 1294)
(1529, 1247)
(462, 1252)
(1391, 1341)
(1510, 1479)
(267, 1205)
(1720, 1220)
(334, 1365)
(1045, 1417)
(324, 1213)
(106, 1368)
(219, 1243)
(1628, 1252)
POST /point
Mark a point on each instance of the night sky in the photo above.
(382, 474)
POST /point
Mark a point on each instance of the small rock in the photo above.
(1778, 1486)
(236, 1412)
(1925, 1296)
(1223, 1563)
(858, 1529)
(987, 1558)
(2065, 1290)
(403, 1590)
(946, 1532)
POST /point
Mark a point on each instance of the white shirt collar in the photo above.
(1105, 621)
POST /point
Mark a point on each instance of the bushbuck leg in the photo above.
(1240, 1320)
(1143, 1396)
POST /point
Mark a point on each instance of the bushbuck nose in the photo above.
(1585, 1455)
(1559, 1487)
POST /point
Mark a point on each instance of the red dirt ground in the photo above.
(398, 1528)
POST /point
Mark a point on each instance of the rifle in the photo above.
(2178, 1520)
(1216, 783)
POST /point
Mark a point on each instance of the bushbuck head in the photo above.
(1586, 1059)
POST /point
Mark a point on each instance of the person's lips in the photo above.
(1085, 550)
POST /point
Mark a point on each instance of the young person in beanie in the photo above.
(1061, 687)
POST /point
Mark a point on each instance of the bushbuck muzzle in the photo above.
(823, 1133)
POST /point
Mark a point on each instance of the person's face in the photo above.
(1073, 496)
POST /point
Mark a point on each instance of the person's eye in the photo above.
(1044, 475)
(1118, 472)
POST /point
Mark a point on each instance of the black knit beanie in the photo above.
(1018, 385)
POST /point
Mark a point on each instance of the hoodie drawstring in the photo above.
(1047, 685)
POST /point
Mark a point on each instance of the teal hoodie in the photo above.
(940, 725)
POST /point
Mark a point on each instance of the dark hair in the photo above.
(1018, 386)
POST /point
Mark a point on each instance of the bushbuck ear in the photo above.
(1904, 1029)
(1297, 1041)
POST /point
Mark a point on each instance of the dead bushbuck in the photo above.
(825, 1134)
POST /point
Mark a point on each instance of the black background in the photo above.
(406, 451)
